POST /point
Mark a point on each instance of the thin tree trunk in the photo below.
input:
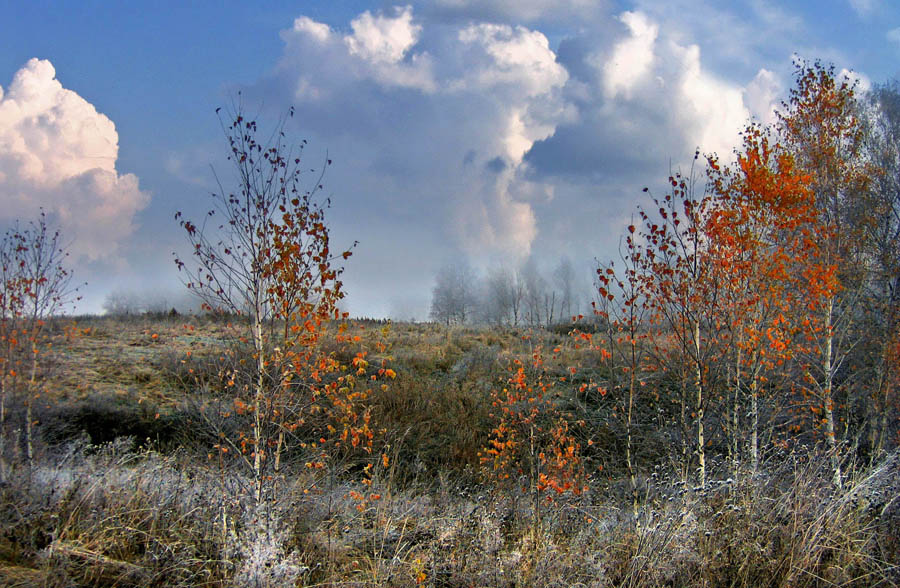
(829, 401)
(886, 379)
(736, 407)
(258, 439)
(754, 423)
(628, 449)
(535, 478)
(685, 428)
(29, 415)
(3, 427)
(277, 469)
(886, 392)
(698, 382)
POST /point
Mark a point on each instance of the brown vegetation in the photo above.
(727, 417)
(147, 508)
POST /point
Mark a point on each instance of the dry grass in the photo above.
(151, 509)
(112, 516)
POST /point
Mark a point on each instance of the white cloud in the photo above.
(445, 113)
(497, 220)
(861, 80)
(762, 96)
(382, 39)
(517, 65)
(649, 99)
(316, 30)
(474, 134)
(632, 57)
(514, 56)
(380, 48)
(58, 153)
(736, 37)
(713, 110)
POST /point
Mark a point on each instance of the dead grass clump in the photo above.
(110, 516)
(434, 425)
(791, 527)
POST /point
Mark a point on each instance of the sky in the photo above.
(488, 130)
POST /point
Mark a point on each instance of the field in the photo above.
(129, 484)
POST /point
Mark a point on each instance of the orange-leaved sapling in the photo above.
(531, 438)
(263, 256)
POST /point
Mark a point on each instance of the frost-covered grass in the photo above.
(159, 506)
(117, 516)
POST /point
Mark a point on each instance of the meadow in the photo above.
(726, 414)
(131, 482)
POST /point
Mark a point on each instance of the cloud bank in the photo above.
(449, 112)
(465, 128)
(58, 153)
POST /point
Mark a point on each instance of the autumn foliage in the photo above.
(36, 285)
(269, 265)
(530, 443)
(752, 276)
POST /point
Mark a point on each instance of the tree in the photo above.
(564, 278)
(538, 301)
(12, 301)
(120, 302)
(757, 232)
(505, 296)
(37, 284)
(683, 294)
(530, 437)
(500, 302)
(820, 125)
(269, 263)
(883, 151)
(453, 297)
(623, 306)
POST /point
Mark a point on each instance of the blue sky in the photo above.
(494, 130)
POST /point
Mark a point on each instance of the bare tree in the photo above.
(564, 281)
(454, 294)
(503, 293)
(122, 303)
(537, 295)
(883, 150)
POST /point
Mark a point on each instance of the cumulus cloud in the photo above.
(643, 99)
(475, 134)
(762, 96)
(382, 39)
(510, 56)
(711, 109)
(736, 37)
(448, 112)
(861, 80)
(380, 49)
(517, 65)
(58, 153)
(632, 57)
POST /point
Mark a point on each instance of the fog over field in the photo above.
(487, 131)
